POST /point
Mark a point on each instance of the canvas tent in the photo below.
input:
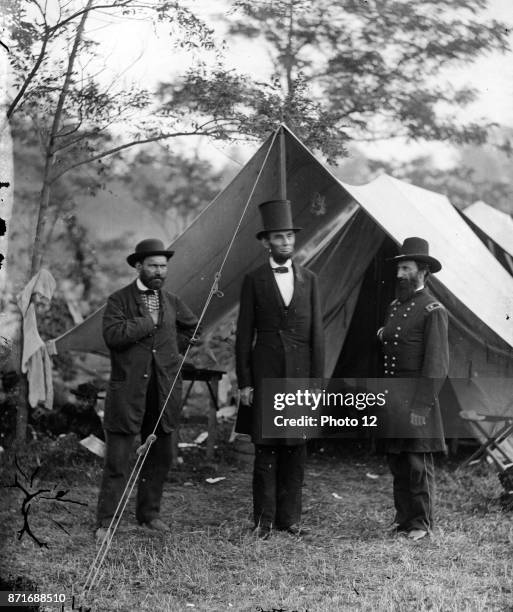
(349, 231)
(495, 229)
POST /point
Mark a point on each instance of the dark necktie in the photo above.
(281, 270)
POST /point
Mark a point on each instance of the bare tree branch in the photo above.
(127, 145)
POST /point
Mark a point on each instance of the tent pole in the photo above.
(283, 166)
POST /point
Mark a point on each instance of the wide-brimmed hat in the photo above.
(86, 390)
(148, 248)
(276, 217)
(417, 249)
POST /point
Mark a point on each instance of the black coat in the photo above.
(138, 347)
(274, 341)
(416, 360)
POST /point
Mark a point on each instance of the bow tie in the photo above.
(281, 270)
(148, 292)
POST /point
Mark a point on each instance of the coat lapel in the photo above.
(299, 285)
(270, 287)
(137, 297)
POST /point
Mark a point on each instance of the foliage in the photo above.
(463, 183)
(174, 188)
(367, 70)
(237, 107)
(58, 88)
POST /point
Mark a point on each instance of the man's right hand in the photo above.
(246, 396)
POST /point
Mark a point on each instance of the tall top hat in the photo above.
(148, 248)
(417, 249)
(276, 217)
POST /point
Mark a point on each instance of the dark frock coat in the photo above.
(139, 348)
(416, 360)
(276, 342)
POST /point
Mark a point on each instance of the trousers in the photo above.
(119, 451)
(414, 489)
(278, 477)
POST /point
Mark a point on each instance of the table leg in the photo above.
(213, 387)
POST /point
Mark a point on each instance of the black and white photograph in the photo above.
(256, 305)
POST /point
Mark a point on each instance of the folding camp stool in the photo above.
(498, 447)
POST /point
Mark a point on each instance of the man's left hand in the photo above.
(417, 420)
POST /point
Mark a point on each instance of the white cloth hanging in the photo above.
(35, 361)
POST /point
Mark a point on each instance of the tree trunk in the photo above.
(39, 243)
(39, 238)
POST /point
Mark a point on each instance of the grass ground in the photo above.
(210, 561)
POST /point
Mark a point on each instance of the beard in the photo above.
(281, 259)
(279, 256)
(405, 288)
(152, 282)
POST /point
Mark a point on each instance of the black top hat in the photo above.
(86, 390)
(417, 249)
(276, 217)
(148, 248)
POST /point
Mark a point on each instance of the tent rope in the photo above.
(143, 450)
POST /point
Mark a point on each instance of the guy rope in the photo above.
(142, 451)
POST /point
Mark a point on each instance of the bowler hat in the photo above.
(276, 217)
(148, 248)
(417, 249)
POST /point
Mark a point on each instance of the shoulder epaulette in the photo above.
(433, 306)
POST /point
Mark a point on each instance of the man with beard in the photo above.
(416, 351)
(279, 335)
(145, 327)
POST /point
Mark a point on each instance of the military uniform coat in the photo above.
(138, 349)
(274, 341)
(415, 351)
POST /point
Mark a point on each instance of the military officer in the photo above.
(416, 354)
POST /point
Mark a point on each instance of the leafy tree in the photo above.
(174, 188)
(57, 95)
(56, 89)
(464, 183)
(357, 69)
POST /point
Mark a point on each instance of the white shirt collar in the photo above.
(287, 264)
(141, 286)
(419, 289)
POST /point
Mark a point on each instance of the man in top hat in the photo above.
(279, 335)
(145, 327)
(416, 352)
